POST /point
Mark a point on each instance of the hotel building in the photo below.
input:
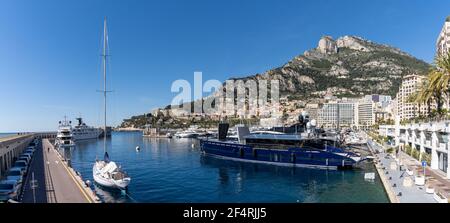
(443, 41)
(405, 109)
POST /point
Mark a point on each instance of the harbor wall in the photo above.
(10, 149)
(384, 179)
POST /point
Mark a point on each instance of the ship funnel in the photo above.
(223, 131)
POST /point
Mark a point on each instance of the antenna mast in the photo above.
(104, 55)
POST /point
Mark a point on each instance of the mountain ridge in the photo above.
(347, 59)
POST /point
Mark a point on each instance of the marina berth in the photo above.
(281, 149)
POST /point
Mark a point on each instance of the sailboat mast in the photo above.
(104, 83)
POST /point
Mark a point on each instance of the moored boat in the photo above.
(83, 131)
(298, 150)
(106, 172)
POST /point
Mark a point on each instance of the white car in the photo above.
(22, 165)
(9, 189)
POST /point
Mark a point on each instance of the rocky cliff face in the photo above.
(348, 66)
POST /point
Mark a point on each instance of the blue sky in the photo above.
(50, 63)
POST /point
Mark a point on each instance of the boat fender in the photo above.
(255, 154)
(293, 157)
(241, 152)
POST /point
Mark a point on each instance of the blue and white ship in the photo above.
(299, 150)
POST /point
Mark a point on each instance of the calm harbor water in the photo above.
(170, 170)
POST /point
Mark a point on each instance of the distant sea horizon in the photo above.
(4, 134)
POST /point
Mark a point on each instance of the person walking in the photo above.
(48, 149)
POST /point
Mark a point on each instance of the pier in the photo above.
(57, 182)
(53, 179)
(399, 180)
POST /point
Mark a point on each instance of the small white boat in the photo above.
(108, 174)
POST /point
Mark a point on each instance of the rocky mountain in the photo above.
(349, 66)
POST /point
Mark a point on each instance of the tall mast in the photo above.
(104, 82)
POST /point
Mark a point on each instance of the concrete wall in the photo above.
(10, 149)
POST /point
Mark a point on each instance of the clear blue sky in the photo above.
(50, 63)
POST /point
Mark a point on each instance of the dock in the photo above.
(399, 185)
(55, 181)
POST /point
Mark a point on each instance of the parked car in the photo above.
(24, 158)
(31, 149)
(15, 174)
(26, 155)
(22, 165)
(9, 189)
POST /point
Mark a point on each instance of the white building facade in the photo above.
(329, 113)
(405, 109)
(431, 138)
(366, 115)
(443, 41)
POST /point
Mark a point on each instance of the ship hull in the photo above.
(86, 135)
(294, 157)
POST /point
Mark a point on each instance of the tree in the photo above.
(439, 80)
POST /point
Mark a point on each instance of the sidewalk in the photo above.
(434, 178)
(400, 183)
(56, 182)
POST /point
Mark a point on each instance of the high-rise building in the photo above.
(366, 114)
(406, 109)
(330, 113)
(443, 41)
(443, 47)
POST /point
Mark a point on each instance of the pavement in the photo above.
(409, 194)
(55, 182)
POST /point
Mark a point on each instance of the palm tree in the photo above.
(439, 80)
(436, 87)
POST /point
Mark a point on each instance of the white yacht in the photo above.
(64, 136)
(191, 132)
(83, 131)
(186, 134)
(106, 172)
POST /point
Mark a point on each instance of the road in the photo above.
(55, 183)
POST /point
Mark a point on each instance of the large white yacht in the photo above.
(106, 172)
(64, 136)
(83, 131)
